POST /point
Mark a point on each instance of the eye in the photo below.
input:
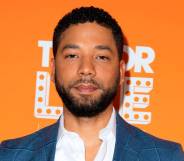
(71, 56)
(102, 57)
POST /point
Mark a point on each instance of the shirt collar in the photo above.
(110, 129)
(104, 134)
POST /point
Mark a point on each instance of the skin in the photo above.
(87, 50)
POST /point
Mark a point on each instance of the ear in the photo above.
(122, 71)
(52, 64)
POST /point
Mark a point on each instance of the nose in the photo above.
(86, 67)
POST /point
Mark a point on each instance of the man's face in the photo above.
(86, 70)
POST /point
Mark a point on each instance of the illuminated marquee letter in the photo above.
(46, 46)
(135, 97)
(144, 57)
(140, 59)
(42, 108)
(134, 94)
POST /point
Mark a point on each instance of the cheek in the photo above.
(107, 75)
(65, 74)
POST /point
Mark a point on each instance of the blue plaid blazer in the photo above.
(132, 144)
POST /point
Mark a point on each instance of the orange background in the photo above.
(157, 24)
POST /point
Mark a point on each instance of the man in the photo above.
(87, 69)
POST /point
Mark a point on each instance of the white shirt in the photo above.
(70, 146)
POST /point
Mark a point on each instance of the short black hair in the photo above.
(89, 14)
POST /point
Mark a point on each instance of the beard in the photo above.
(86, 105)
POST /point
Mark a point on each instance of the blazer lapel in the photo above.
(122, 151)
(49, 139)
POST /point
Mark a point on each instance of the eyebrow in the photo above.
(74, 46)
(70, 46)
(103, 47)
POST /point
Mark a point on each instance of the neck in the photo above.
(87, 128)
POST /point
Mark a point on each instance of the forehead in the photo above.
(89, 33)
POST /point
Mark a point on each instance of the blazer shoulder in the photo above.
(32, 141)
(148, 140)
(146, 145)
(159, 148)
(138, 140)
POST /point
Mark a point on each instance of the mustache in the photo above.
(86, 81)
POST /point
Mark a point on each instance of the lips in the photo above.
(86, 88)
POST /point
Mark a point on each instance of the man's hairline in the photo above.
(103, 25)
